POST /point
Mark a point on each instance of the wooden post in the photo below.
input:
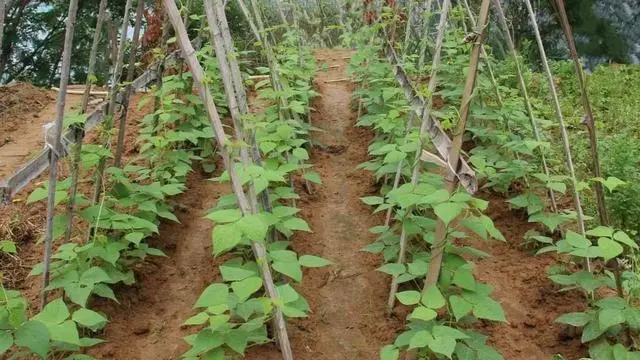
(247, 16)
(113, 92)
(558, 110)
(525, 94)
(589, 119)
(56, 148)
(79, 130)
(131, 67)
(2, 11)
(440, 241)
(415, 176)
(258, 249)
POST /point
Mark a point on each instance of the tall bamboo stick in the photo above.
(415, 176)
(2, 11)
(425, 37)
(131, 67)
(56, 149)
(589, 119)
(440, 241)
(258, 249)
(113, 91)
(79, 130)
(525, 94)
(558, 110)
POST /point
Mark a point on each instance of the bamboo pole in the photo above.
(425, 37)
(79, 130)
(558, 110)
(160, 70)
(525, 94)
(108, 124)
(2, 11)
(247, 16)
(407, 31)
(131, 67)
(56, 149)
(415, 176)
(494, 83)
(589, 119)
(258, 249)
(440, 241)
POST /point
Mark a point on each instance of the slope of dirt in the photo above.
(530, 301)
(24, 109)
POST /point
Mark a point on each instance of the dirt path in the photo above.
(146, 323)
(347, 299)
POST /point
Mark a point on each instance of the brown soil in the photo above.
(24, 109)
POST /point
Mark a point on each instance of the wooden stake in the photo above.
(525, 94)
(415, 176)
(108, 124)
(258, 249)
(558, 110)
(425, 37)
(56, 149)
(79, 131)
(122, 129)
(2, 11)
(440, 241)
(589, 119)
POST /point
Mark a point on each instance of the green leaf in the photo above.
(245, 288)
(33, 335)
(423, 313)
(443, 345)
(410, 297)
(393, 269)
(290, 268)
(313, 261)
(420, 339)
(435, 197)
(389, 352)
(225, 237)
(253, 227)
(93, 276)
(463, 277)
(611, 182)
(622, 237)
(609, 248)
(78, 294)
(300, 154)
(459, 306)
(296, 224)
(433, 298)
(577, 319)
(225, 216)
(601, 231)
(609, 317)
(314, 177)
(234, 273)
(489, 309)
(198, 319)
(372, 200)
(6, 341)
(448, 211)
(134, 237)
(576, 240)
(54, 312)
(446, 331)
(89, 318)
(214, 294)
(67, 332)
